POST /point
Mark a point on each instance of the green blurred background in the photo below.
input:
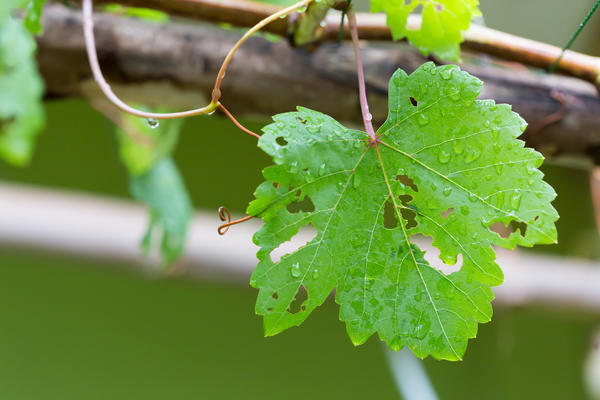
(80, 329)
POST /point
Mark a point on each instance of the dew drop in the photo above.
(368, 117)
(420, 331)
(295, 270)
(488, 178)
(316, 274)
(422, 119)
(464, 210)
(152, 123)
(447, 191)
(447, 73)
(356, 181)
(433, 187)
(322, 169)
(323, 24)
(313, 128)
(472, 197)
(443, 156)
(357, 144)
(515, 200)
(498, 168)
(458, 146)
(530, 182)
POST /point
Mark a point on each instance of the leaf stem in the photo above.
(362, 92)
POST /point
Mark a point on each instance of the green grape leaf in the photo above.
(141, 145)
(163, 190)
(21, 90)
(441, 27)
(447, 166)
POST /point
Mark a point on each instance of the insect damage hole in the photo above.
(304, 236)
(413, 101)
(281, 141)
(390, 219)
(446, 213)
(304, 205)
(432, 255)
(506, 230)
(407, 181)
(297, 304)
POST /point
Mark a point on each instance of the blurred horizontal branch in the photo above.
(245, 13)
(109, 229)
(269, 77)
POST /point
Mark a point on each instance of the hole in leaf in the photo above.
(275, 296)
(405, 198)
(410, 216)
(281, 141)
(432, 255)
(297, 304)
(276, 185)
(270, 309)
(390, 221)
(506, 230)
(406, 181)
(447, 212)
(306, 205)
(413, 101)
(305, 235)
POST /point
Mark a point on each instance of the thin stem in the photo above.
(235, 121)
(362, 92)
(216, 94)
(90, 44)
(574, 36)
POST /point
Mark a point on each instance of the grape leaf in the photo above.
(21, 89)
(163, 189)
(441, 24)
(446, 162)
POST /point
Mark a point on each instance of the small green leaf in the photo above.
(447, 166)
(33, 17)
(21, 90)
(441, 27)
(163, 190)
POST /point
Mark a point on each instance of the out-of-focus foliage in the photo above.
(441, 25)
(145, 148)
(163, 190)
(21, 88)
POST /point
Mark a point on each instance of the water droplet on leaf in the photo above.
(295, 270)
